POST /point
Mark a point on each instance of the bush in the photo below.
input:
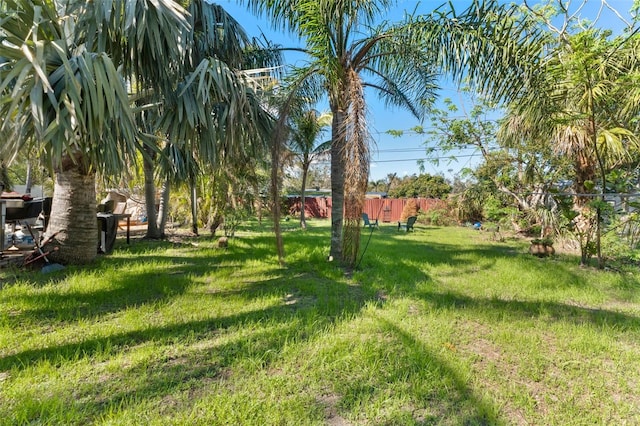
(232, 220)
(494, 210)
(437, 217)
(616, 248)
(410, 209)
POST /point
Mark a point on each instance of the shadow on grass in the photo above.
(311, 299)
(195, 372)
(307, 308)
(607, 320)
(300, 298)
(123, 293)
(407, 259)
(470, 408)
(130, 287)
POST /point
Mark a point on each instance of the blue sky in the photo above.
(400, 155)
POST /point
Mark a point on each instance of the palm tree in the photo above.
(307, 126)
(214, 114)
(349, 54)
(377, 185)
(62, 92)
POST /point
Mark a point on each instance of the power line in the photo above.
(400, 150)
(453, 157)
(427, 130)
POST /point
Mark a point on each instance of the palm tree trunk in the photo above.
(194, 207)
(29, 179)
(150, 197)
(5, 182)
(338, 142)
(163, 211)
(305, 172)
(603, 186)
(73, 222)
(603, 176)
(276, 145)
(583, 170)
(356, 172)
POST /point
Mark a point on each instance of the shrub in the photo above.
(437, 217)
(410, 209)
(494, 210)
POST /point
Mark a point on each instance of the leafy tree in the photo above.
(385, 184)
(391, 180)
(582, 104)
(378, 185)
(424, 185)
(71, 103)
(512, 172)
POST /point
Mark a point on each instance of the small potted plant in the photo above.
(542, 247)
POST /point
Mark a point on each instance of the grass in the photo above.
(439, 326)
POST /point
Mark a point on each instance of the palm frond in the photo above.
(486, 44)
(139, 34)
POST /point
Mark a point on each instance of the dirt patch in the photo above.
(485, 351)
(299, 301)
(330, 403)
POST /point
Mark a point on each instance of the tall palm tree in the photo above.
(307, 127)
(63, 93)
(350, 52)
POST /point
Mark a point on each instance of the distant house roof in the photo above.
(312, 192)
(375, 194)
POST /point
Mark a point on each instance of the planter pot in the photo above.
(541, 250)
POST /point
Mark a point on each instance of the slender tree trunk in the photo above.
(194, 207)
(231, 197)
(150, 196)
(5, 182)
(603, 177)
(29, 180)
(603, 184)
(73, 222)
(257, 203)
(276, 147)
(338, 142)
(215, 219)
(305, 172)
(583, 172)
(163, 211)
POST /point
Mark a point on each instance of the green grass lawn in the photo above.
(439, 326)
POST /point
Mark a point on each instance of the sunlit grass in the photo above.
(439, 326)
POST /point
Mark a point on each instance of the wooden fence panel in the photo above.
(386, 210)
(314, 207)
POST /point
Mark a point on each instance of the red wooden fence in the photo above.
(384, 209)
